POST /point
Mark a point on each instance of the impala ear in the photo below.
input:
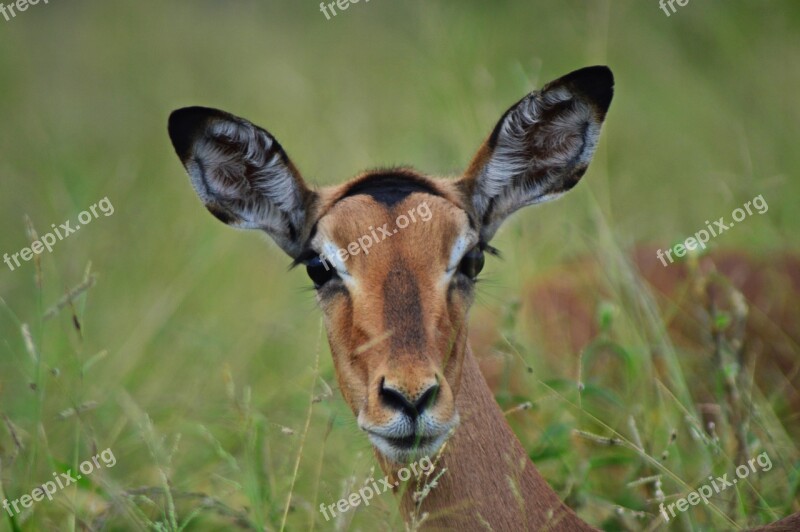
(540, 148)
(242, 175)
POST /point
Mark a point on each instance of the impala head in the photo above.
(394, 254)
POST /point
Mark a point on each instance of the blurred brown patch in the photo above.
(561, 311)
(771, 333)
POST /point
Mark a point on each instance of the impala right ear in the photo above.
(242, 175)
(540, 148)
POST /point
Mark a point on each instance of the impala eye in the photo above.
(319, 271)
(472, 263)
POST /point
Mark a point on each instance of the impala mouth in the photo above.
(408, 442)
(413, 445)
(409, 448)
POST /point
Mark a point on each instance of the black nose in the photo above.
(398, 400)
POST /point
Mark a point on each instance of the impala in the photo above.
(397, 317)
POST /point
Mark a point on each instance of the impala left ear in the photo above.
(243, 175)
(540, 148)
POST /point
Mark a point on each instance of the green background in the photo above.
(196, 330)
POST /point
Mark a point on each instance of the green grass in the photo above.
(197, 354)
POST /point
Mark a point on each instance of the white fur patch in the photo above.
(463, 243)
(330, 253)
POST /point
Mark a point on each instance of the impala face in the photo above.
(395, 317)
(396, 313)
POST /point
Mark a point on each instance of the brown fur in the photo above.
(414, 344)
(489, 477)
(485, 463)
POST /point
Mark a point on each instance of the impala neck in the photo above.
(489, 479)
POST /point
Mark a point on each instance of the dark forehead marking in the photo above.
(402, 312)
(390, 188)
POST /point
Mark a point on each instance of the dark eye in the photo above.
(472, 263)
(319, 271)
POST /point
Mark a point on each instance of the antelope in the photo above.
(396, 318)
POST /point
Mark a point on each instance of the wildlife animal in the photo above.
(396, 317)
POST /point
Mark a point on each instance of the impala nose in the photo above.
(401, 400)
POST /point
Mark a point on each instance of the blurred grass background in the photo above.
(195, 358)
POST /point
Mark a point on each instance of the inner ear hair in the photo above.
(243, 175)
(540, 148)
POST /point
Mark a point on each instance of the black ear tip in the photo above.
(594, 82)
(185, 125)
